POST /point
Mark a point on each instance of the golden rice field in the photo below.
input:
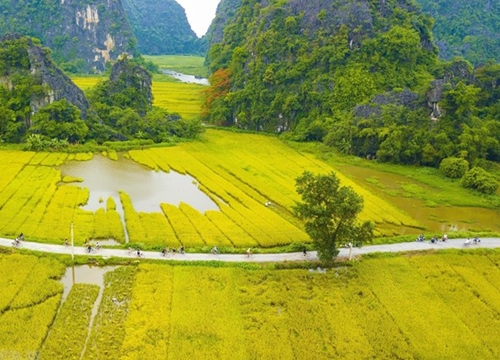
(436, 306)
(239, 172)
(184, 99)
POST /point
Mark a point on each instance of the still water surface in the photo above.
(190, 79)
(146, 188)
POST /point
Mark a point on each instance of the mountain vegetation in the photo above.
(123, 105)
(82, 34)
(465, 28)
(361, 76)
(161, 27)
(39, 104)
(30, 83)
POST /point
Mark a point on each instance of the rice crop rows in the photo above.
(29, 301)
(435, 306)
(250, 178)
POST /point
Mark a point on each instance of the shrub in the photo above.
(479, 179)
(453, 167)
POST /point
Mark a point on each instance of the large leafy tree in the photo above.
(60, 120)
(331, 213)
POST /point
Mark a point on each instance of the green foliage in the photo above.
(453, 167)
(124, 111)
(60, 120)
(479, 179)
(466, 29)
(330, 212)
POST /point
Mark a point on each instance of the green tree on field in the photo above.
(330, 212)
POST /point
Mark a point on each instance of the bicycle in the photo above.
(90, 250)
(16, 243)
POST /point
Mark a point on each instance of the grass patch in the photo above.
(190, 65)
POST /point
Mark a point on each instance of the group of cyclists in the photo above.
(172, 251)
(433, 240)
(91, 248)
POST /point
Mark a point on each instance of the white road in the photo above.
(281, 257)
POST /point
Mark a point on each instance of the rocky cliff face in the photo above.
(226, 10)
(33, 61)
(161, 27)
(83, 34)
(127, 76)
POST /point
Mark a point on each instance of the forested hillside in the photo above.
(35, 95)
(470, 29)
(161, 27)
(41, 106)
(82, 34)
(362, 76)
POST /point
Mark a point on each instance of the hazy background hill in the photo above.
(161, 27)
(470, 29)
(82, 34)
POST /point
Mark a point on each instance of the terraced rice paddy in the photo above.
(434, 306)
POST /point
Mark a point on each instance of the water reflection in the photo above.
(84, 275)
(186, 78)
(146, 188)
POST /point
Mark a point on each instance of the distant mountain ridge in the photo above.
(161, 27)
(82, 34)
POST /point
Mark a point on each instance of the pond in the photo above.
(147, 188)
(190, 79)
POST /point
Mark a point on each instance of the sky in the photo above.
(200, 13)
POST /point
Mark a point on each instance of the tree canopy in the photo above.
(330, 212)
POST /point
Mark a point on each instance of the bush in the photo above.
(479, 179)
(453, 167)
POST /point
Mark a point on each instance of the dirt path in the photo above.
(400, 247)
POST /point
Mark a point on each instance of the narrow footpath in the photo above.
(261, 258)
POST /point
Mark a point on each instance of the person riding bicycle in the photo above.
(215, 250)
(181, 250)
(89, 248)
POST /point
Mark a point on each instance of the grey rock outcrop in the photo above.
(404, 98)
(55, 83)
(82, 34)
